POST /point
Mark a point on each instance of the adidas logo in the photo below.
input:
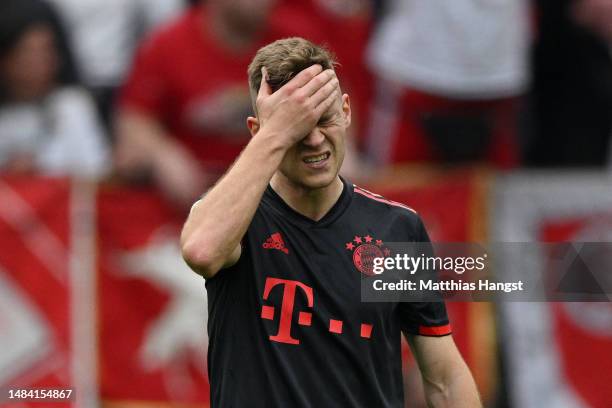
(276, 242)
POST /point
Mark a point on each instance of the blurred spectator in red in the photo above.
(344, 26)
(449, 74)
(45, 126)
(572, 87)
(183, 109)
(104, 35)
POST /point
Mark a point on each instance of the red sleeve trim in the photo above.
(435, 330)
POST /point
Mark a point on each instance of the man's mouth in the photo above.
(316, 161)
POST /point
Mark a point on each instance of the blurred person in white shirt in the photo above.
(449, 73)
(45, 127)
(104, 35)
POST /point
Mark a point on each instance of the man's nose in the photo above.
(314, 139)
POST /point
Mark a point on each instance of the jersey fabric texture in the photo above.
(287, 327)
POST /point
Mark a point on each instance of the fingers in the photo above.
(308, 81)
(323, 92)
(303, 77)
(318, 82)
(264, 87)
(327, 102)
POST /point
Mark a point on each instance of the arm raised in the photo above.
(211, 236)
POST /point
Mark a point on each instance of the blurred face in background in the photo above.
(245, 15)
(30, 67)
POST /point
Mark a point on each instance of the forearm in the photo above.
(211, 236)
(220, 219)
(144, 145)
(447, 380)
(140, 141)
(457, 389)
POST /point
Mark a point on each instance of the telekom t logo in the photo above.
(286, 313)
(304, 318)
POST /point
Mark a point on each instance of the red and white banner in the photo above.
(559, 354)
(36, 341)
(153, 311)
(96, 297)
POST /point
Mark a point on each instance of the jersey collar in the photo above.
(278, 204)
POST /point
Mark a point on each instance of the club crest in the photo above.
(364, 250)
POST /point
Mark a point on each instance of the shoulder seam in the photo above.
(380, 199)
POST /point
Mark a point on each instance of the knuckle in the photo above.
(300, 98)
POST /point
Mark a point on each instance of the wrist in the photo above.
(272, 141)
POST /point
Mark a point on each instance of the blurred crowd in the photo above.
(155, 91)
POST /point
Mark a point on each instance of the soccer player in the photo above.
(279, 240)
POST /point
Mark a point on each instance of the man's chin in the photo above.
(316, 181)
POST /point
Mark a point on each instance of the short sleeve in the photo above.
(424, 318)
(147, 83)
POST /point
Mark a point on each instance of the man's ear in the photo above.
(346, 108)
(253, 125)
